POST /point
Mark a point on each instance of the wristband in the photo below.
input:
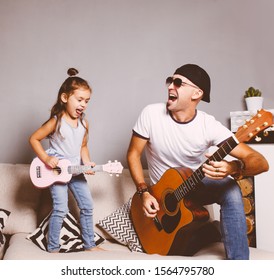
(141, 188)
(240, 167)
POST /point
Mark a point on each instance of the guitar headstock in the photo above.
(262, 120)
(113, 167)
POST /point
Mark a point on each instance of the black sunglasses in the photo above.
(177, 82)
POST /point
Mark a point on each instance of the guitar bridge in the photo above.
(157, 223)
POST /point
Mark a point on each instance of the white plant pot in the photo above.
(254, 103)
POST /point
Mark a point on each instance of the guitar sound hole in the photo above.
(57, 170)
(170, 202)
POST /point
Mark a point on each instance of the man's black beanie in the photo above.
(197, 76)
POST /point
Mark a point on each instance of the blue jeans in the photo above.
(59, 192)
(228, 195)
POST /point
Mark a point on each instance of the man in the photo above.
(177, 134)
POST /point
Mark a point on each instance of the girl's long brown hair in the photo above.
(69, 85)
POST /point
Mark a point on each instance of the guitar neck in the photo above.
(197, 176)
(76, 169)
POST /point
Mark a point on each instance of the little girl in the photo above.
(67, 131)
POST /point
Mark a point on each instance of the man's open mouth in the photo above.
(172, 97)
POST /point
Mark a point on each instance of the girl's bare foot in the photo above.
(95, 249)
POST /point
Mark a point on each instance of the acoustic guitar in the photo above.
(42, 176)
(176, 210)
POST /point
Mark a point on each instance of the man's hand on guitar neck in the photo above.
(150, 205)
(218, 170)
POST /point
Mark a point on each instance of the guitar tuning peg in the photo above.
(110, 174)
(266, 133)
(109, 161)
(117, 175)
(258, 139)
(115, 160)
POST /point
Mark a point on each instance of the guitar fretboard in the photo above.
(197, 176)
(76, 169)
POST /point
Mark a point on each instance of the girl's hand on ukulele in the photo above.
(150, 205)
(90, 171)
(51, 161)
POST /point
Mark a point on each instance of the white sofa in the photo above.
(29, 205)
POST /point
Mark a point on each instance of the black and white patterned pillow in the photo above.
(70, 236)
(119, 226)
(4, 214)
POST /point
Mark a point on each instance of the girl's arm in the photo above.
(35, 142)
(85, 155)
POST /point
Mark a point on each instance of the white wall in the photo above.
(125, 49)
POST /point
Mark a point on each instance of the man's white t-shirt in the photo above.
(174, 144)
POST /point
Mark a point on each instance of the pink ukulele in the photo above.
(43, 176)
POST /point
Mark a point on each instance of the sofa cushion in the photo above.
(70, 236)
(20, 197)
(119, 226)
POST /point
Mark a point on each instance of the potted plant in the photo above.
(253, 98)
